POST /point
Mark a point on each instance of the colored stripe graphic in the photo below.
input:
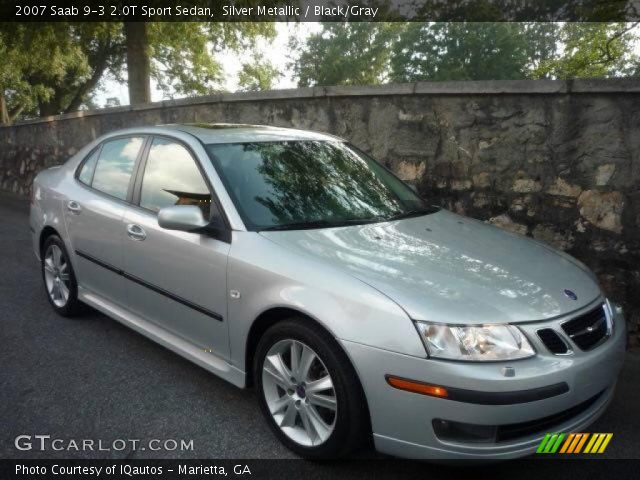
(556, 445)
(582, 442)
(543, 443)
(596, 446)
(574, 442)
(598, 443)
(550, 443)
(593, 439)
(568, 442)
(606, 442)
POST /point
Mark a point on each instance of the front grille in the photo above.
(588, 330)
(545, 424)
(552, 341)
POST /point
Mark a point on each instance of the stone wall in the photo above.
(559, 161)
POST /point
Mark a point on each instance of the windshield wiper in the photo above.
(354, 221)
(411, 213)
(320, 224)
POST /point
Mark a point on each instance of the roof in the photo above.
(209, 133)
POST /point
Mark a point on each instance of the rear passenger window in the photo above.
(115, 166)
(86, 172)
(172, 177)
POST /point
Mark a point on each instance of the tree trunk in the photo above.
(138, 63)
(52, 106)
(13, 114)
(98, 70)
(4, 114)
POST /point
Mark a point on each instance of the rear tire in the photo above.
(59, 278)
(315, 404)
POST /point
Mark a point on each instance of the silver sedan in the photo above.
(292, 262)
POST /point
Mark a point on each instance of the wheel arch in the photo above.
(264, 321)
(46, 232)
(272, 316)
(260, 325)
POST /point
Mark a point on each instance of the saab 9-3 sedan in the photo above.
(292, 262)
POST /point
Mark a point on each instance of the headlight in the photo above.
(613, 310)
(474, 343)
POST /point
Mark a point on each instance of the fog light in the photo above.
(464, 432)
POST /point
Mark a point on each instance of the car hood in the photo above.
(447, 268)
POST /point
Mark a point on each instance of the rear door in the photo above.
(94, 210)
(179, 279)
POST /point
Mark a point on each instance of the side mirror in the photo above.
(189, 218)
(186, 218)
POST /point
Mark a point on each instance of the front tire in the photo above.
(59, 278)
(308, 391)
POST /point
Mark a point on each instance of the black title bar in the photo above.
(320, 10)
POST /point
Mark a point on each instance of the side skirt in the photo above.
(208, 361)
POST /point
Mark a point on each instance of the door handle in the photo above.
(74, 207)
(136, 232)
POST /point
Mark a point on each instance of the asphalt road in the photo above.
(92, 378)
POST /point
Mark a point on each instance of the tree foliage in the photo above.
(56, 67)
(345, 54)
(258, 75)
(460, 51)
(35, 58)
(184, 53)
(360, 53)
(591, 50)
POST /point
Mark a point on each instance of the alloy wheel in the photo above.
(56, 275)
(299, 392)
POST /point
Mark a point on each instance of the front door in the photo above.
(178, 280)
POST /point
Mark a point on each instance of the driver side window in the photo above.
(171, 177)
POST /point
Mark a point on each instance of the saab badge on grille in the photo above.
(570, 294)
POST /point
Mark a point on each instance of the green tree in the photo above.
(65, 62)
(372, 53)
(463, 51)
(257, 75)
(102, 46)
(406, 52)
(592, 50)
(541, 43)
(345, 54)
(184, 54)
(35, 57)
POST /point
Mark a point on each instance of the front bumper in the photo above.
(402, 421)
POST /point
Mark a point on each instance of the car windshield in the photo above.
(310, 184)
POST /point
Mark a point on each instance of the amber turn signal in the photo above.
(417, 387)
